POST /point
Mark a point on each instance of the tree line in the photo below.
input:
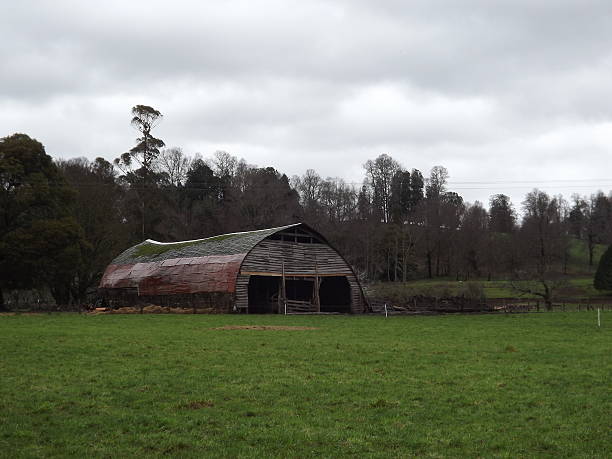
(63, 221)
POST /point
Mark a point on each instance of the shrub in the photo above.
(603, 275)
(473, 290)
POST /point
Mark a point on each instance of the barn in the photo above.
(289, 269)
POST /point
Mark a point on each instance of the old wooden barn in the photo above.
(288, 269)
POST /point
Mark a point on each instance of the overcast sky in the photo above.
(507, 95)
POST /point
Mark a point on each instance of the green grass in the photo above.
(532, 385)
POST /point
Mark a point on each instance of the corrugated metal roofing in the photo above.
(199, 266)
(225, 244)
(213, 273)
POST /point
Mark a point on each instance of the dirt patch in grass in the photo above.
(264, 327)
(20, 314)
(153, 309)
(197, 405)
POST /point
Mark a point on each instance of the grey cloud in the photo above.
(500, 90)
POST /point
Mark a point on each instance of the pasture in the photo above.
(515, 385)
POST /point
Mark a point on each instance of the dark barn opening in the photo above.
(299, 290)
(263, 294)
(335, 294)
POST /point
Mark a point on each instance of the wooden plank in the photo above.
(242, 292)
(289, 274)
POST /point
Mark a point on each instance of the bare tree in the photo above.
(544, 244)
(436, 184)
(224, 164)
(380, 174)
(174, 164)
(309, 187)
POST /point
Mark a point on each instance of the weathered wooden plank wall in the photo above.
(242, 293)
(298, 258)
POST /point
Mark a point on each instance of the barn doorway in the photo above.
(299, 289)
(263, 294)
(335, 294)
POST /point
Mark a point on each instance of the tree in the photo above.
(502, 218)
(200, 203)
(143, 180)
(225, 166)
(380, 174)
(543, 239)
(99, 212)
(309, 188)
(601, 218)
(435, 210)
(144, 119)
(400, 202)
(586, 222)
(473, 240)
(267, 200)
(40, 242)
(603, 275)
(174, 164)
(417, 182)
(436, 184)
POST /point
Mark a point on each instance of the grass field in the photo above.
(150, 385)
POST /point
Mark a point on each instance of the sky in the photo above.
(508, 95)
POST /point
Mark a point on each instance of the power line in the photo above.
(494, 182)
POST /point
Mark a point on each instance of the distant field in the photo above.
(579, 282)
(482, 385)
(577, 287)
(579, 256)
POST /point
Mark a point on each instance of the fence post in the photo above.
(598, 318)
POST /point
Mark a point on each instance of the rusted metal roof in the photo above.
(213, 273)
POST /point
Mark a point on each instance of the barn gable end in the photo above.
(277, 270)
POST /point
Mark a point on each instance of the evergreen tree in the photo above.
(603, 276)
(502, 218)
(40, 241)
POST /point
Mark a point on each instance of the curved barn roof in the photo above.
(223, 244)
(202, 265)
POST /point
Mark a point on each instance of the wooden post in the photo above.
(279, 299)
(317, 299)
(283, 287)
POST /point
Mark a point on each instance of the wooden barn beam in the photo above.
(287, 274)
